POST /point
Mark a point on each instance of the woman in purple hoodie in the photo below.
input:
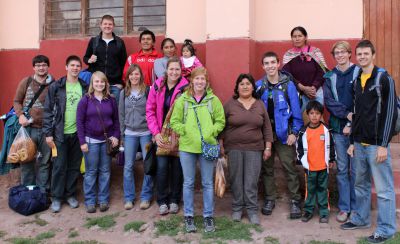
(96, 119)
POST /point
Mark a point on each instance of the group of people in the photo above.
(130, 99)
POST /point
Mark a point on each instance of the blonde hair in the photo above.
(342, 45)
(196, 72)
(128, 86)
(102, 77)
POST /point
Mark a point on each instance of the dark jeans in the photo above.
(66, 167)
(42, 164)
(169, 180)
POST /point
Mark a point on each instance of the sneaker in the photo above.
(306, 217)
(128, 205)
(104, 207)
(73, 203)
(189, 224)
(144, 204)
(342, 216)
(254, 219)
(163, 209)
(376, 238)
(237, 216)
(324, 219)
(350, 226)
(269, 205)
(209, 224)
(173, 208)
(55, 206)
(295, 209)
(90, 209)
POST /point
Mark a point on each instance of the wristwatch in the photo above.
(348, 124)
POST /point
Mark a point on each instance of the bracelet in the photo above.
(348, 124)
(268, 148)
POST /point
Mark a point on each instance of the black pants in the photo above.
(169, 180)
(66, 167)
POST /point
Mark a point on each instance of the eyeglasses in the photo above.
(340, 52)
(41, 65)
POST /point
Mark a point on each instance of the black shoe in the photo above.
(269, 205)
(209, 224)
(376, 238)
(306, 217)
(324, 219)
(350, 226)
(189, 224)
(295, 209)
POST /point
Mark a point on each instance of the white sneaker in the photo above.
(173, 208)
(163, 209)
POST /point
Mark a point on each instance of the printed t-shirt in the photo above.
(74, 94)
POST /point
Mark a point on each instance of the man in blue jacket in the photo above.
(278, 92)
(338, 95)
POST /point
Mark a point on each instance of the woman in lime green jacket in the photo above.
(199, 99)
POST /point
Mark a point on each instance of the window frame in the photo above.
(84, 26)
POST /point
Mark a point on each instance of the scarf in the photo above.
(307, 53)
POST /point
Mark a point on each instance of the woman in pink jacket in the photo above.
(169, 172)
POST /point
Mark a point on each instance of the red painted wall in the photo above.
(225, 59)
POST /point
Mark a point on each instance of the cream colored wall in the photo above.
(186, 19)
(323, 19)
(261, 20)
(19, 24)
(228, 18)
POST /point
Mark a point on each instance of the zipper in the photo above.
(105, 62)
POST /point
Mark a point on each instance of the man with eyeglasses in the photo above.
(30, 87)
(339, 95)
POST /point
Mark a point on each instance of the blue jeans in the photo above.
(366, 166)
(305, 100)
(345, 174)
(97, 165)
(188, 162)
(131, 144)
(115, 91)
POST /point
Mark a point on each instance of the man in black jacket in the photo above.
(59, 127)
(107, 53)
(373, 123)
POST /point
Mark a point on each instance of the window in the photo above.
(82, 17)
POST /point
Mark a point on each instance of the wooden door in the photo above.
(382, 27)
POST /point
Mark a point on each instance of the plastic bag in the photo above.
(220, 182)
(23, 149)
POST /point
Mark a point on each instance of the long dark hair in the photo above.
(299, 28)
(239, 79)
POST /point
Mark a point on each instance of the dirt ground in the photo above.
(277, 225)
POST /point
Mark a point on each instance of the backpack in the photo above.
(377, 87)
(283, 86)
